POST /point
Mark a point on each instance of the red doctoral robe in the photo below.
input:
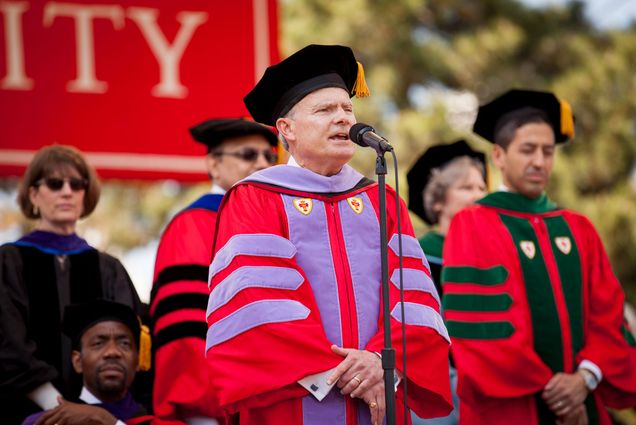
(528, 292)
(177, 307)
(296, 269)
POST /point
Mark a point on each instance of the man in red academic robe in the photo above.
(294, 308)
(236, 149)
(533, 308)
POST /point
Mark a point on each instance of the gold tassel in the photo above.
(144, 349)
(567, 119)
(360, 88)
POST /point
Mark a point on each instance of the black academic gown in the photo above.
(38, 278)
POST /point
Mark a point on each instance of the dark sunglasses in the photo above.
(55, 184)
(251, 155)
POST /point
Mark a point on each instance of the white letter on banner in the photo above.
(86, 81)
(16, 78)
(168, 55)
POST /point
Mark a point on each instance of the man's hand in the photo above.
(375, 398)
(576, 416)
(68, 413)
(360, 375)
(565, 392)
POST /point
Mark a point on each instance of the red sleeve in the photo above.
(262, 337)
(178, 302)
(426, 337)
(478, 248)
(605, 343)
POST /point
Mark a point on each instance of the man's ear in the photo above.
(210, 165)
(76, 360)
(285, 127)
(498, 156)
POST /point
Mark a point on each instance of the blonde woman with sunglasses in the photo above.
(43, 272)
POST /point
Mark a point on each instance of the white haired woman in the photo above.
(444, 180)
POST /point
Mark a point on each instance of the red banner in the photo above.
(123, 80)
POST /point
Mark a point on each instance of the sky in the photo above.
(604, 14)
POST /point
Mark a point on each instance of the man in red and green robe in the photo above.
(533, 308)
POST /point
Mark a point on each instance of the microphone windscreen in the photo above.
(356, 132)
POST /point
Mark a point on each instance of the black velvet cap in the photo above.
(434, 157)
(78, 318)
(559, 113)
(213, 132)
(309, 69)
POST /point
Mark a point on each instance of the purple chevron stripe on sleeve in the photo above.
(257, 244)
(421, 315)
(252, 315)
(253, 277)
(415, 280)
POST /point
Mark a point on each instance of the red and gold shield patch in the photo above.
(528, 248)
(356, 204)
(564, 244)
(304, 205)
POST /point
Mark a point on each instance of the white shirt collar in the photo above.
(217, 190)
(88, 397)
(291, 161)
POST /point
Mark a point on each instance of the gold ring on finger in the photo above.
(357, 379)
(373, 405)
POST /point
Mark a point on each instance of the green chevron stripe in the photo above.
(479, 330)
(491, 276)
(477, 302)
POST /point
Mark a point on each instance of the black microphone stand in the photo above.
(388, 353)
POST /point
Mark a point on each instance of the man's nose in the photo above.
(112, 349)
(345, 117)
(538, 159)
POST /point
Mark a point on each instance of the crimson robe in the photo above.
(296, 269)
(178, 302)
(529, 292)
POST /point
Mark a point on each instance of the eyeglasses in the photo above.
(55, 184)
(251, 155)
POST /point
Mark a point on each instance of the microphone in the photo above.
(365, 136)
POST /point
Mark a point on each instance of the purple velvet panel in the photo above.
(309, 234)
(362, 241)
(256, 244)
(415, 280)
(253, 277)
(421, 315)
(410, 248)
(301, 179)
(329, 411)
(253, 315)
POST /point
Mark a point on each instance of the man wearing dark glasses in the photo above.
(236, 149)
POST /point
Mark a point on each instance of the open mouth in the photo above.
(339, 137)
